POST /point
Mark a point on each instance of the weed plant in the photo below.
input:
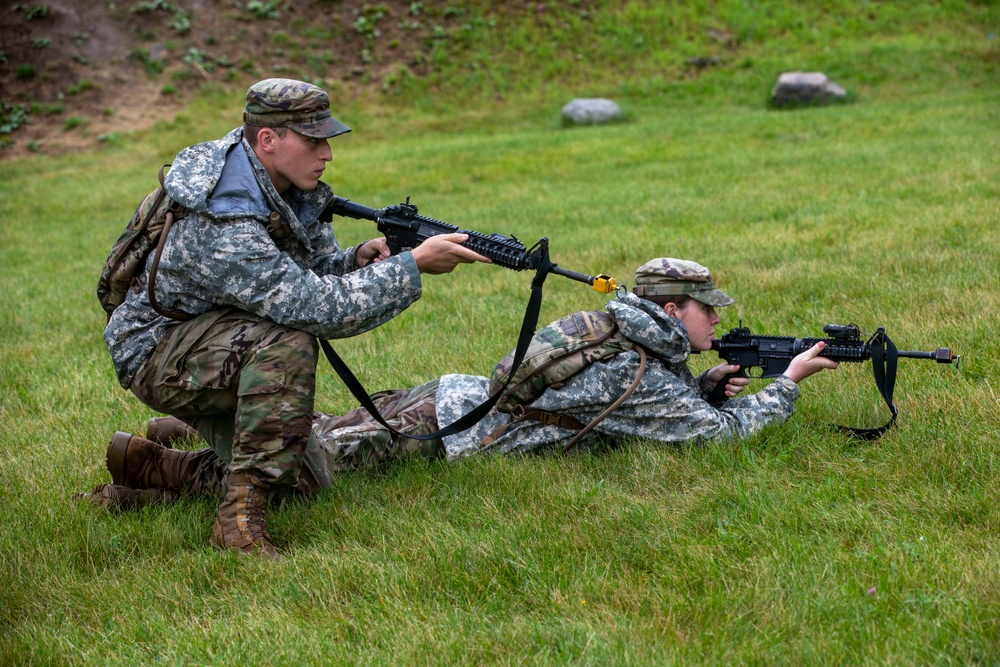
(797, 546)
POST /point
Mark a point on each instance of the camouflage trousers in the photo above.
(355, 440)
(349, 442)
(246, 384)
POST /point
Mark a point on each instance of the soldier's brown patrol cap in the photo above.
(666, 276)
(297, 105)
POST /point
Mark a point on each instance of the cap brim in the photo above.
(324, 129)
(714, 297)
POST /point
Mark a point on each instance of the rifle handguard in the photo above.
(404, 228)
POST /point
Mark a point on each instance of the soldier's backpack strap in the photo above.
(276, 228)
(174, 210)
(566, 421)
(614, 406)
(520, 413)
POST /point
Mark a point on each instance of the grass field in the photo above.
(799, 546)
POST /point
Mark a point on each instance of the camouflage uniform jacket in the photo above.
(220, 256)
(668, 406)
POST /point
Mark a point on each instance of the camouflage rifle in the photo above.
(405, 229)
(771, 355)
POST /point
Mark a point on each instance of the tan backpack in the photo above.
(557, 352)
(147, 229)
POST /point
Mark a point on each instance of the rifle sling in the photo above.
(884, 358)
(476, 415)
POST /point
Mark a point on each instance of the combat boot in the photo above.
(168, 430)
(139, 463)
(239, 524)
(124, 499)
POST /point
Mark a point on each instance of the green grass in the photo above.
(798, 546)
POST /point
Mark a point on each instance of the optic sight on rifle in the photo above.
(404, 229)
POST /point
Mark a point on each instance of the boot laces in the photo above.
(256, 505)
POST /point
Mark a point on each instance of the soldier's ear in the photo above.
(670, 308)
(266, 139)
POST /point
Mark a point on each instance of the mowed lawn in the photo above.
(799, 546)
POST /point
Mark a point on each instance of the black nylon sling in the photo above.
(476, 415)
(884, 358)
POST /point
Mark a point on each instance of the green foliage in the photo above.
(37, 12)
(110, 138)
(47, 109)
(180, 21)
(142, 57)
(199, 60)
(262, 10)
(368, 19)
(72, 122)
(150, 6)
(77, 88)
(13, 116)
(24, 71)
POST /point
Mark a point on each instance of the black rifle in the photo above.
(404, 229)
(771, 355)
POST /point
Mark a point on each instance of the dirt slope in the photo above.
(90, 68)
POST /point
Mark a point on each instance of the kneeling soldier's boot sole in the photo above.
(116, 457)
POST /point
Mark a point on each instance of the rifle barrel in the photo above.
(942, 355)
(601, 283)
(572, 275)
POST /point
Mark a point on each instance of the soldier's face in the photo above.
(297, 160)
(699, 319)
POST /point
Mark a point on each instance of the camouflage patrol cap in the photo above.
(297, 105)
(666, 276)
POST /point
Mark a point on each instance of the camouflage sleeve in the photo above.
(328, 257)
(668, 410)
(237, 264)
(742, 416)
(704, 385)
(664, 408)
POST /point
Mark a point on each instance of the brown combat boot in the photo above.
(168, 430)
(139, 463)
(239, 524)
(124, 499)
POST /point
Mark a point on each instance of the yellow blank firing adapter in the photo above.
(603, 283)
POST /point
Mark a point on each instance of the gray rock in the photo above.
(806, 88)
(591, 111)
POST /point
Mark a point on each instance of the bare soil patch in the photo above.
(87, 69)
